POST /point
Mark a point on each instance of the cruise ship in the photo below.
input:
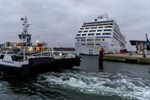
(102, 32)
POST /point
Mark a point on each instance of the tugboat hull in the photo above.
(40, 65)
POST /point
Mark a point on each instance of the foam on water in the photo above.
(102, 84)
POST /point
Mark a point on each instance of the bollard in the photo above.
(101, 54)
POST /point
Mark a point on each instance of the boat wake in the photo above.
(103, 84)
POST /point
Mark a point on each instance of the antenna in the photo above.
(146, 36)
(25, 25)
(25, 37)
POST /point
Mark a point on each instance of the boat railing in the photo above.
(42, 55)
(54, 54)
(60, 55)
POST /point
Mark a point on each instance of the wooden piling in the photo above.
(101, 55)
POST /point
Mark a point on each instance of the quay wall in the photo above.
(139, 59)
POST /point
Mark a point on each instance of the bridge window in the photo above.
(106, 33)
(98, 33)
(107, 30)
(83, 34)
(99, 30)
(90, 39)
(79, 31)
(92, 30)
(78, 34)
(90, 34)
(86, 31)
(97, 39)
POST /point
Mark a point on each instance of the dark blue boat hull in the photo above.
(39, 65)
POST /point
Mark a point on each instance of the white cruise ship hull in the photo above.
(94, 50)
(88, 51)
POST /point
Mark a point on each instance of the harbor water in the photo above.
(115, 81)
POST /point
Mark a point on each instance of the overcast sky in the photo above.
(58, 21)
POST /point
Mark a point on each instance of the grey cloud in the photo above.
(58, 21)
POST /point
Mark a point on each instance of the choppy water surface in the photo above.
(116, 81)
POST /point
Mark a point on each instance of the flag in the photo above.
(147, 43)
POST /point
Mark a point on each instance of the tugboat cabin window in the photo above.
(20, 37)
(37, 55)
(10, 52)
(3, 52)
(56, 53)
(46, 54)
(1, 56)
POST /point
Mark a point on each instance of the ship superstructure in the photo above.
(25, 39)
(24, 36)
(104, 33)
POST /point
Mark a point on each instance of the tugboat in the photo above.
(25, 65)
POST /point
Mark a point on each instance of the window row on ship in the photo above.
(98, 39)
(93, 40)
(119, 35)
(92, 34)
(94, 30)
(99, 22)
(82, 28)
(89, 25)
(118, 32)
(118, 38)
(91, 44)
(116, 27)
(117, 41)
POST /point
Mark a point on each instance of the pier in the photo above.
(127, 57)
